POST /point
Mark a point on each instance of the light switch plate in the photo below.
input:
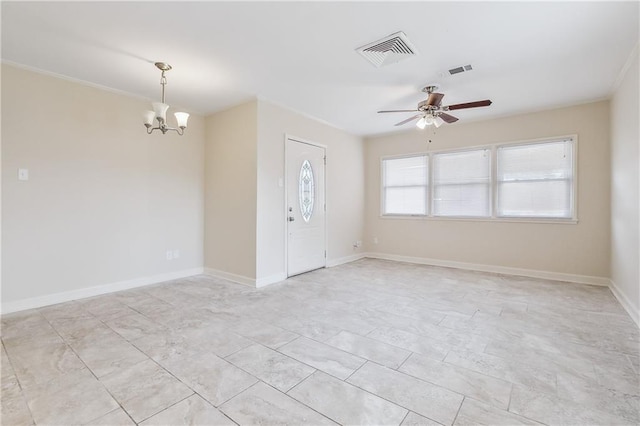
(23, 174)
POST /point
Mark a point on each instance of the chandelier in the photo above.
(159, 112)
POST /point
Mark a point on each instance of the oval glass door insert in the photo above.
(306, 190)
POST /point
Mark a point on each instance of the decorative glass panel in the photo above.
(306, 190)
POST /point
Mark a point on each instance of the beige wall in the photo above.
(625, 188)
(230, 191)
(345, 180)
(104, 200)
(580, 249)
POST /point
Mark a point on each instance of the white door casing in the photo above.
(305, 188)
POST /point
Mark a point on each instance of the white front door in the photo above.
(306, 248)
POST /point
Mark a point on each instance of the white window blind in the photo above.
(462, 183)
(405, 187)
(535, 180)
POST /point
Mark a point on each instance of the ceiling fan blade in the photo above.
(399, 110)
(475, 104)
(447, 118)
(435, 99)
(408, 120)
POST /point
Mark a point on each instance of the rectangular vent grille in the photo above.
(458, 70)
(389, 50)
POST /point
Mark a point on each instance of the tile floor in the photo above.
(370, 342)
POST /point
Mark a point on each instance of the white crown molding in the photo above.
(623, 71)
(82, 293)
(90, 84)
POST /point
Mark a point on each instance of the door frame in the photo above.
(288, 137)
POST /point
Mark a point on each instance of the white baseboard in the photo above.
(633, 311)
(531, 273)
(238, 279)
(346, 259)
(82, 293)
(276, 278)
(241, 279)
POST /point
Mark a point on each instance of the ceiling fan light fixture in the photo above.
(438, 122)
(422, 123)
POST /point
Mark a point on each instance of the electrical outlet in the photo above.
(358, 243)
(23, 174)
(176, 254)
(169, 255)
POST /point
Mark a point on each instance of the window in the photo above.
(306, 190)
(405, 184)
(535, 180)
(517, 181)
(462, 183)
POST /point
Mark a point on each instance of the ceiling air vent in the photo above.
(458, 70)
(389, 50)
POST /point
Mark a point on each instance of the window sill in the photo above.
(482, 219)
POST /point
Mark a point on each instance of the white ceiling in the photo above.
(526, 56)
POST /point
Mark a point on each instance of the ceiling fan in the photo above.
(431, 112)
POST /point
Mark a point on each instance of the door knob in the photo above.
(291, 218)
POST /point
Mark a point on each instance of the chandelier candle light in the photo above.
(160, 110)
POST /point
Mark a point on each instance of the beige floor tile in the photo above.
(117, 417)
(550, 409)
(271, 367)
(528, 332)
(589, 392)
(316, 330)
(467, 382)
(265, 334)
(323, 357)
(134, 326)
(424, 398)
(14, 411)
(475, 413)
(74, 398)
(10, 387)
(373, 350)
(5, 365)
(41, 365)
(414, 419)
(215, 379)
(411, 342)
(145, 389)
(505, 369)
(107, 354)
(263, 405)
(191, 411)
(344, 403)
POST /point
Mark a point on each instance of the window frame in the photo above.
(456, 151)
(574, 180)
(383, 187)
(493, 184)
